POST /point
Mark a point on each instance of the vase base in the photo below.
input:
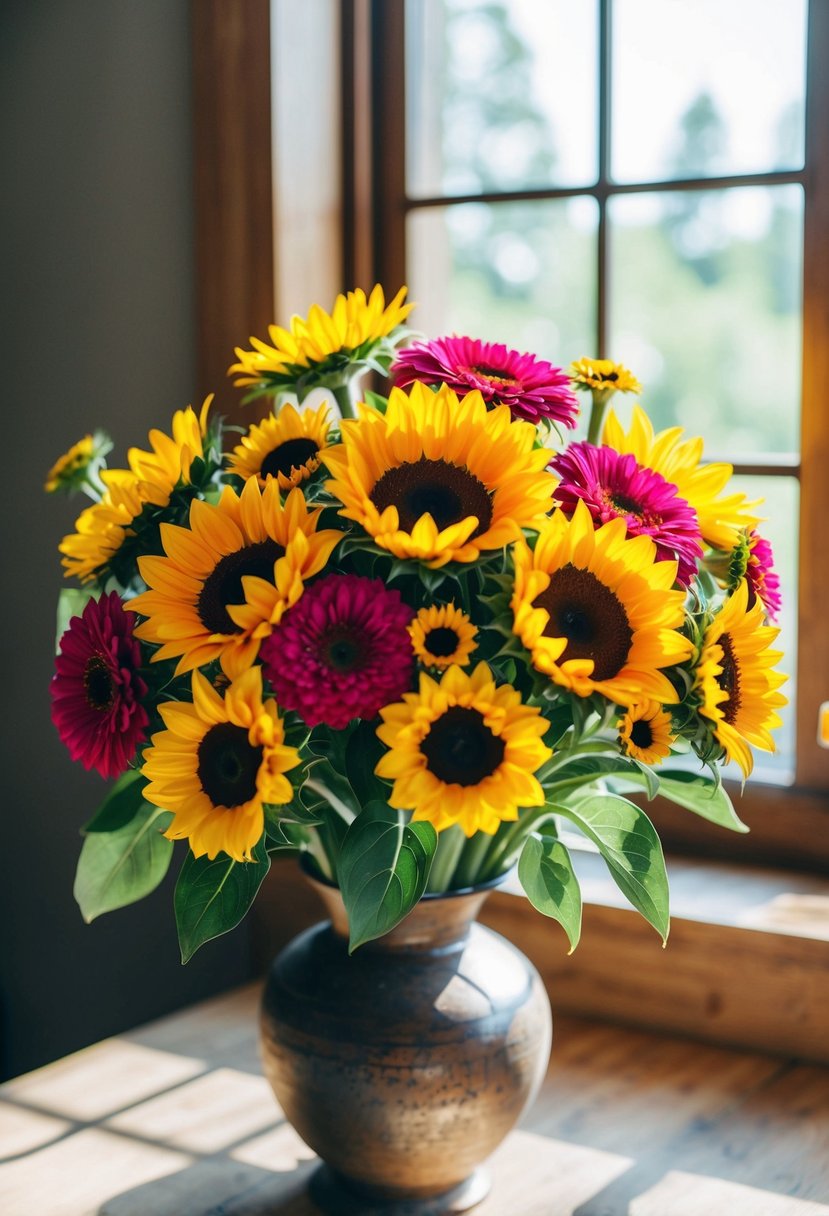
(334, 1197)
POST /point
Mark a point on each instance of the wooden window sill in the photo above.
(747, 961)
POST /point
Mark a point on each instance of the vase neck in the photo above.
(436, 922)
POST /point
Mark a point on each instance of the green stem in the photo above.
(346, 398)
(317, 850)
(450, 846)
(501, 857)
(598, 409)
(470, 866)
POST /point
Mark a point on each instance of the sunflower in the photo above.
(603, 376)
(439, 478)
(100, 530)
(442, 636)
(597, 611)
(739, 690)
(679, 461)
(217, 763)
(532, 388)
(79, 465)
(227, 579)
(645, 732)
(463, 751)
(285, 446)
(322, 345)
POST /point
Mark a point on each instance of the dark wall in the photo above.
(97, 329)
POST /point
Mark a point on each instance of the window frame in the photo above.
(788, 822)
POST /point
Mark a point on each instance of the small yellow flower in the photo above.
(734, 676)
(442, 635)
(603, 375)
(285, 446)
(72, 468)
(218, 762)
(645, 732)
(463, 751)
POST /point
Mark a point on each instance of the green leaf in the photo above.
(71, 602)
(212, 896)
(546, 874)
(121, 804)
(651, 778)
(383, 870)
(119, 867)
(702, 796)
(628, 842)
(362, 753)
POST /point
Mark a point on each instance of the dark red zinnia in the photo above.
(342, 652)
(615, 486)
(532, 388)
(96, 689)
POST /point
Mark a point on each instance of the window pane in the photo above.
(707, 87)
(497, 97)
(780, 526)
(519, 273)
(705, 308)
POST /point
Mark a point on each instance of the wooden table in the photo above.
(174, 1119)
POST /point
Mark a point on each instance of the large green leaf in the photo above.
(700, 795)
(212, 896)
(546, 874)
(382, 870)
(119, 867)
(628, 842)
(121, 805)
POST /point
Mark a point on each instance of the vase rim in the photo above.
(308, 869)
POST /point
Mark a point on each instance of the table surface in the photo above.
(175, 1119)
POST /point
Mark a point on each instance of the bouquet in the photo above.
(412, 636)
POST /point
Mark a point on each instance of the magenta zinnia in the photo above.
(96, 689)
(532, 388)
(342, 652)
(763, 581)
(613, 486)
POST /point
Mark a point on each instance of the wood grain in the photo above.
(628, 1123)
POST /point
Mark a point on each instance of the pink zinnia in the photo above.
(614, 486)
(532, 388)
(763, 581)
(342, 652)
(96, 689)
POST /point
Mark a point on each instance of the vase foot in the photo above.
(334, 1197)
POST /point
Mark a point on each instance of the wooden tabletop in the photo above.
(175, 1119)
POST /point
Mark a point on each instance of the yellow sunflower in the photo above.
(603, 375)
(734, 676)
(285, 446)
(73, 468)
(463, 751)
(217, 763)
(354, 324)
(227, 579)
(721, 517)
(442, 636)
(645, 732)
(440, 478)
(597, 611)
(101, 529)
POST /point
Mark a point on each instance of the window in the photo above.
(551, 177)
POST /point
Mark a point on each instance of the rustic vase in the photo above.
(405, 1064)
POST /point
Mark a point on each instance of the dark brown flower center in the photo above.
(460, 749)
(641, 734)
(292, 454)
(228, 765)
(98, 683)
(729, 680)
(342, 650)
(587, 613)
(442, 642)
(447, 492)
(224, 585)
